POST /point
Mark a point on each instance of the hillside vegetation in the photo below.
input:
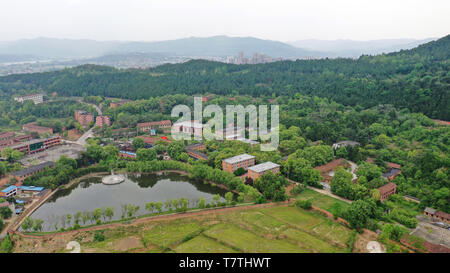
(417, 79)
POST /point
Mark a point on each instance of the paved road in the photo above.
(82, 140)
(99, 111)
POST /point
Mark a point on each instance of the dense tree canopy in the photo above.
(416, 79)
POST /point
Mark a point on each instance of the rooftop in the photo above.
(199, 154)
(443, 214)
(128, 153)
(34, 168)
(430, 210)
(393, 165)
(6, 134)
(31, 188)
(252, 142)
(153, 123)
(263, 167)
(238, 158)
(391, 172)
(30, 95)
(387, 188)
(195, 145)
(33, 141)
(83, 112)
(345, 143)
(331, 165)
(8, 189)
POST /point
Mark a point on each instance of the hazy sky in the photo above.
(282, 20)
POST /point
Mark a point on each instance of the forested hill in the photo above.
(417, 79)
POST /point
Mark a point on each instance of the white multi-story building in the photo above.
(36, 98)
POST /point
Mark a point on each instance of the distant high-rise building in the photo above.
(241, 57)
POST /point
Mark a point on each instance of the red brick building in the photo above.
(6, 135)
(102, 121)
(37, 145)
(256, 171)
(22, 174)
(437, 215)
(387, 190)
(14, 141)
(83, 117)
(326, 169)
(240, 161)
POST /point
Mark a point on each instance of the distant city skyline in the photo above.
(282, 20)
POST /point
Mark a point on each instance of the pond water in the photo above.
(138, 190)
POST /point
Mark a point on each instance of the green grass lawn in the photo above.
(320, 200)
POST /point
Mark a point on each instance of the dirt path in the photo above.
(365, 239)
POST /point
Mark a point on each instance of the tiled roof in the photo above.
(391, 172)
(442, 214)
(6, 135)
(331, 165)
(393, 165)
(430, 210)
(34, 168)
(387, 188)
(153, 123)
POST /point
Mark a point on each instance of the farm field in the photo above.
(256, 230)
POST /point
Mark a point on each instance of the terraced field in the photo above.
(256, 230)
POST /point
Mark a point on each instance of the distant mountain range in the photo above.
(354, 49)
(216, 46)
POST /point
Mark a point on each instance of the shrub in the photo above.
(6, 246)
(297, 189)
(98, 236)
(304, 204)
(239, 172)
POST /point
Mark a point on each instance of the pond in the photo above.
(90, 194)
